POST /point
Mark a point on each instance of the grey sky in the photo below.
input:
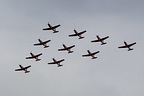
(115, 72)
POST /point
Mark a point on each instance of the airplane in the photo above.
(128, 46)
(78, 34)
(100, 40)
(67, 48)
(91, 54)
(23, 68)
(34, 56)
(53, 28)
(44, 43)
(57, 62)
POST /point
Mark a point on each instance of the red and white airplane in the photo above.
(78, 34)
(91, 54)
(57, 62)
(23, 68)
(53, 28)
(34, 56)
(44, 43)
(66, 48)
(128, 46)
(100, 40)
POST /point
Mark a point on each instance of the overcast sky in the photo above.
(116, 72)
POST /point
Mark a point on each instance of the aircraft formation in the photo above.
(68, 48)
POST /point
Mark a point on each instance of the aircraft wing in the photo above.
(27, 67)
(37, 44)
(29, 57)
(72, 35)
(52, 63)
(132, 44)
(61, 60)
(122, 47)
(47, 41)
(55, 26)
(96, 52)
(38, 55)
(61, 49)
(95, 41)
(18, 69)
(71, 46)
(105, 38)
(47, 29)
(86, 55)
(82, 32)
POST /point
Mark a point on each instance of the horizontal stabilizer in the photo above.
(38, 59)
(59, 65)
(70, 52)
(46, 46)
(27, 71)
(94, 57)
(81, 37)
